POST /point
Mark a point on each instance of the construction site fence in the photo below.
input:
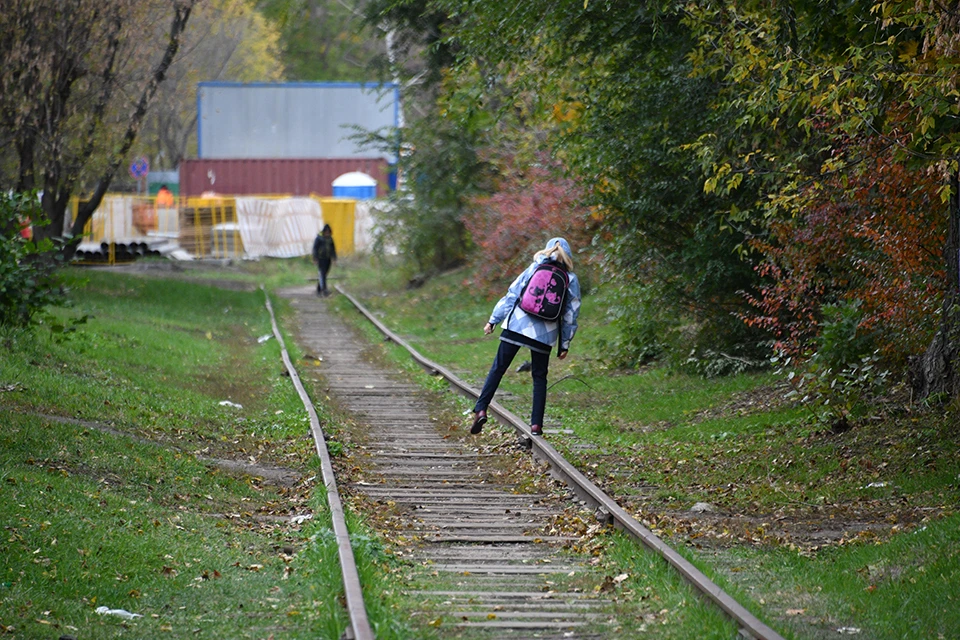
(200, 227)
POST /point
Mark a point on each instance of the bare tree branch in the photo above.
(85, 212)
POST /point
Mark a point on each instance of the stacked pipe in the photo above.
(122, 252)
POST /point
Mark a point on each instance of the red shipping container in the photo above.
(297, 177)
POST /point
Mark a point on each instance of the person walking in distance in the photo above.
(324, 253)
(540, 309)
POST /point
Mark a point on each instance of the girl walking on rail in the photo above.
(540, 309)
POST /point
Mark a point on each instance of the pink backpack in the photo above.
(545, 292)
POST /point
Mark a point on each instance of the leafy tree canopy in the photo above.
(324, 40)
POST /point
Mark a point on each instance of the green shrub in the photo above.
(640, 326)
(845, 375)
(28, 278)
(841, 342)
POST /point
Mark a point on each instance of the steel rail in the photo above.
(589, 492)
(356, 609)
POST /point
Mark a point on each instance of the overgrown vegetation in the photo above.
(424, 222)
(746, 169)
(529, 207)
(28, 269)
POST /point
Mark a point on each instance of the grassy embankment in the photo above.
(821, 534)
(114, 485)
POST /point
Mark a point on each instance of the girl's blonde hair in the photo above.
(557, 254)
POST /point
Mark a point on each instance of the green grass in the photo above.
(656, 600)
(145, 332)
(803, 513)
(905, 587)
(91, 519)
(110, 492)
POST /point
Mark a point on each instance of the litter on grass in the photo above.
(120, 613)
(264, 338)
(227, 403)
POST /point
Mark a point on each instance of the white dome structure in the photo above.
(355, 184)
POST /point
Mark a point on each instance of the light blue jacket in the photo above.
(543, 331)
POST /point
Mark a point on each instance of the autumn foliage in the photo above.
(530, 206)
(876, 239)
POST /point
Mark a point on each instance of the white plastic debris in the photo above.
(264, 338)
(227, 403)
(848, 631)
(301, 519)
(876, 485)
(120, 613)
(180, 254)
(703, 507)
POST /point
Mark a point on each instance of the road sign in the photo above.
(140, 167)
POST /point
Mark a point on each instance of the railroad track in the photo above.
(485, 568)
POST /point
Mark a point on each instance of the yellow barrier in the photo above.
(209, 228)
(339, 213)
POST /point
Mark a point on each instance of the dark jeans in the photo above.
(539, 362)
(323, 267)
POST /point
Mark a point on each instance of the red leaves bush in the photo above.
(877, 239)
(532, 205)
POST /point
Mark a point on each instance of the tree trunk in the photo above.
(26, 181)
(55, 207)
(937, 372)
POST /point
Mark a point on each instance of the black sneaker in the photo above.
(536, 430)
(479, 419)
